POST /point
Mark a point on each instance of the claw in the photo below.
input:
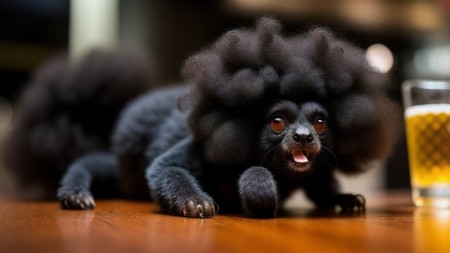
(215, 208)
(361, 201)
(77, 201)
(200, 211)
(349, 202)
(203, 209)
(208, 209)
(192, 212)
(66, 203)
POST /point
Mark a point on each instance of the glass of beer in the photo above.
(427, 116)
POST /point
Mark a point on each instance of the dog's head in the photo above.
(262, 97)
(293, 136)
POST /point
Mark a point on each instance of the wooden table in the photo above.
(390, 224)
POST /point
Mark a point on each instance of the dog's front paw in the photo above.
(258, 192)
(198, 209)
(349, 202)
(76, 199)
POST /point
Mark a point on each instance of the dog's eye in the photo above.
(278, 125)
(320, 125)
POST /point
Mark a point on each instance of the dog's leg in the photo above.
(173, 186)
(75, 189)
(258, 192)
(323, 190)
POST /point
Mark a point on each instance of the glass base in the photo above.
(432, 197)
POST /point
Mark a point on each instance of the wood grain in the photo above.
(391, 224)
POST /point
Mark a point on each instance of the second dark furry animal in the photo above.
(69, 109)
(265, 114)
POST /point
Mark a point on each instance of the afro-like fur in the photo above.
(69, 109)
(246, 69)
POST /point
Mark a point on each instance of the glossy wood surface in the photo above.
(390, 224)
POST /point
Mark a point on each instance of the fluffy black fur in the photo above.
(69, 109)
(265, 114)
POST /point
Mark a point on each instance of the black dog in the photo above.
(67, 110)
(265, 114)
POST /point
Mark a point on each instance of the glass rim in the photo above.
(426, 84)
(423, 84)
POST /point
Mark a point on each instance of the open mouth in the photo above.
(300, 156)
(299, 160)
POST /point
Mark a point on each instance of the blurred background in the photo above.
(410, 38)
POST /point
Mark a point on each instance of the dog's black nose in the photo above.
(303, 138)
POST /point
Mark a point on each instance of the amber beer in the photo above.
(428, 137)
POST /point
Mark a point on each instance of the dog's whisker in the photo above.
(267, 152)
(326, 155)
(277, 157)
